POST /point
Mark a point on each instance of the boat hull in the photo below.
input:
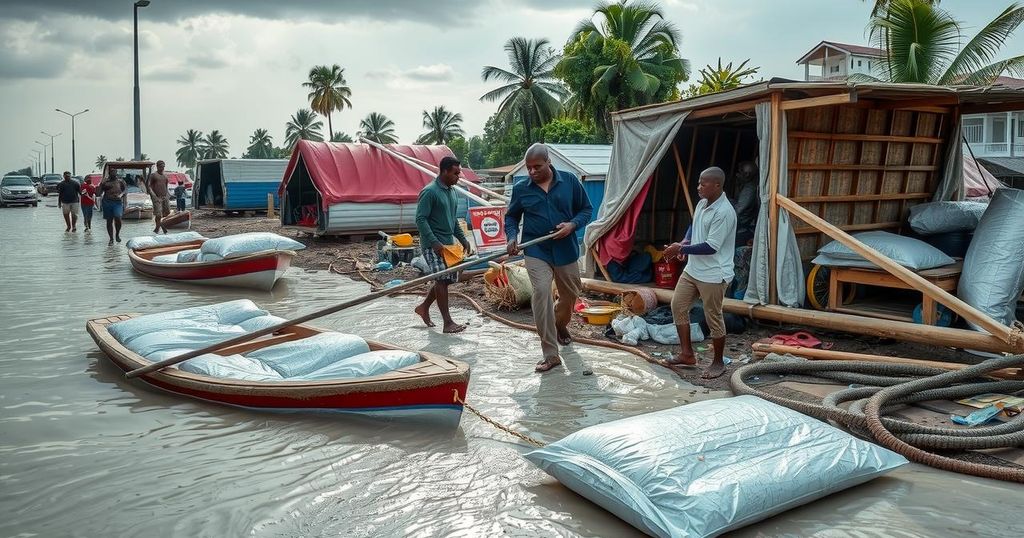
(260, 270)
(427, 387)
(181, 220)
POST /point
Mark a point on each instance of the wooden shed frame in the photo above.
(859, 156)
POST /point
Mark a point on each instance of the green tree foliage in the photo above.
(379, 128)
(923, 44)
(460, 147)
(101, 161)
(27, 171)
(716, 79)
(281, 153)
(626, 55)
(503, 143)
(341, 136)
(442, 125)
(568, 131)
(190, 149)
(328, 91)
(477, 154)
(215, 146)
(302, 126)
(529, 90)
(261, 145)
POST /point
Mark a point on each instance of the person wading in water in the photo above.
(113, 193)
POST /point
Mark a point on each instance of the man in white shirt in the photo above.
(709, 244)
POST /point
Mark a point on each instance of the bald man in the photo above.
(709, 244)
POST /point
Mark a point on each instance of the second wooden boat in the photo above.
(259, 270)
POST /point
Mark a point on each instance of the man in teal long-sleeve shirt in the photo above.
(439, 229)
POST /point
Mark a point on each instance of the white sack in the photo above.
(993, 275)
(305, 356)
(906, 251)
(150, 241)
(940, 217)
(226, 313)
(188, 256)
(260, 322)
(230, 367)
(166, 258)
(364, 365)
(232, 246)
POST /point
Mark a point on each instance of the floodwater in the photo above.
(85, 453)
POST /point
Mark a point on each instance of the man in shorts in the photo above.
(156, 184)
(438, 228)
(113, 196)
(68, 193)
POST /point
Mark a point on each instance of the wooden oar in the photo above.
(319, 313)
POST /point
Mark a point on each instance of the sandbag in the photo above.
(909, 252)
(172, 337)
(993, 275)
(232, 246)
(230, 367)
(260, 322)
(363, 365)
(188, 256)
(210, 257)
(207, 316)
(166, 258)
(710, 467)
(308, 355)
(150, 241)
(939, 217)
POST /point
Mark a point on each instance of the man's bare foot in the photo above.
(111, 242)
(424, 314)
(683, 359)
(716, 369)
(452, 328)
(118, 239)
(564, 338)
(156, 230)
(547, 364)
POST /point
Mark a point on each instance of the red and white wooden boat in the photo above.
(426, 387)
(259, 270)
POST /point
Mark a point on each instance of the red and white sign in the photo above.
(488, 227)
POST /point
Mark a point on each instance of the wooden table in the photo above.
(946, 277)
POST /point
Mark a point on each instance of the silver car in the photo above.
(16, 190)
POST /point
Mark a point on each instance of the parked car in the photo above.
(49, 184)
(17, 190)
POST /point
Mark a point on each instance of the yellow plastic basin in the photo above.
(402, 240)
(599, 315)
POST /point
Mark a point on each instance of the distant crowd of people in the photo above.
(112, 195)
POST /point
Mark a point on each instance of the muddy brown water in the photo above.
(85, 453)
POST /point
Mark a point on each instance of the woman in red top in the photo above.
(88, 202)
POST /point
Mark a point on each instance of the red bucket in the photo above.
(666, 274)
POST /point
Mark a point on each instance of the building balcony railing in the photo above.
(997, 149)
(816, 78)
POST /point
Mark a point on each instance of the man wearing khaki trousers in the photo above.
(710, 244)
(549, 200)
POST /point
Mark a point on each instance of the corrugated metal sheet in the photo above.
(248, 195)
(253, 170)
(351, 217)
(589, 161)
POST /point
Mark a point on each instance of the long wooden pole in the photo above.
(682, 179)
(774, 161)
(1013, 338)
(324, 312)
(835, 321)
(462, 179)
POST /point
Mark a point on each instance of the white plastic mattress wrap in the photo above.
(151, 241)
(906, 251)
(232, 246)
(710, 467)
(993, 274)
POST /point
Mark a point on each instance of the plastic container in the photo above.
(666, 274)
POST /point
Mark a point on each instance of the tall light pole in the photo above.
(52, 136)
(38, 160)
(138, 120)
(42, 165)
(73, 171)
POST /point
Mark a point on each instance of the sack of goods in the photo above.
(941, 217)
(710, 467)
(993, 275)
(152, 241)
(911, 253)
(233, 246)
(508, 285)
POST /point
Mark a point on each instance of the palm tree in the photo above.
(441, 125)
(716, 79)
(261, 145)
(529, 90)
(303, 126)
(328, 91)
(341, 136)
(379, 128)
(922, 44)
(215, 146)
(101, 161)
(190, 148)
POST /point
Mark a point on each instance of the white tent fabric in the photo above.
(639, 145)
(951, 185)
(789, 271)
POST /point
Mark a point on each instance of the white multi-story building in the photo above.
(829, 60)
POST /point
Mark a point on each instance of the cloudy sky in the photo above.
(238, 65)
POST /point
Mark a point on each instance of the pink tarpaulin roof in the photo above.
(361, 173)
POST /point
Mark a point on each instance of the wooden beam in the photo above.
(865, 138)
(994, 107)
(714, 149)
(774, 160)
(853, 227)
(724, 109)
(897, 330)
(903, 104)
(597, 260)
(1014, 338)
(866, 167)
(839, 198)
(654, 204)
(824, 100)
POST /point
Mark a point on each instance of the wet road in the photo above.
(85, 453)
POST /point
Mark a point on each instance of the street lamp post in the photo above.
(138, 120)
(38, 160)
(42, 165)
(73, 171)
(52, 136)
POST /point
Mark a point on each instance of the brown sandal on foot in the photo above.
(545, 365)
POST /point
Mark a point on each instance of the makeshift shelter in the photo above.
(340, 188)
(836, 156)
(237, 184)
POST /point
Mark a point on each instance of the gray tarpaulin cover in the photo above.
(710, 467)
(639, 146)
(940, 217)
(993, 275)
(951, 185)
(790, 272)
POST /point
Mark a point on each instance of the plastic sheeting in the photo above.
(188, 256)
(710, 467)
(261, 322)
(308, 355)
(230, 367)
(208, 317)
(150, 241)
(363, 365)
(633, 329)
(941, 217)
(906, 251)
(166, 258)
(233, 246)
(993, 274)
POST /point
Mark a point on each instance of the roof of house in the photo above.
(1009, 82)
(344, 172)
(818, 51)
(1004, 166)
(586, 160)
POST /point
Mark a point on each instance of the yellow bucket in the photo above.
(402, 240)
(599, 315)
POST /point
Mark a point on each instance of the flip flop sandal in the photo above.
(544, 366)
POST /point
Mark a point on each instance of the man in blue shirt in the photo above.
(550, 200)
